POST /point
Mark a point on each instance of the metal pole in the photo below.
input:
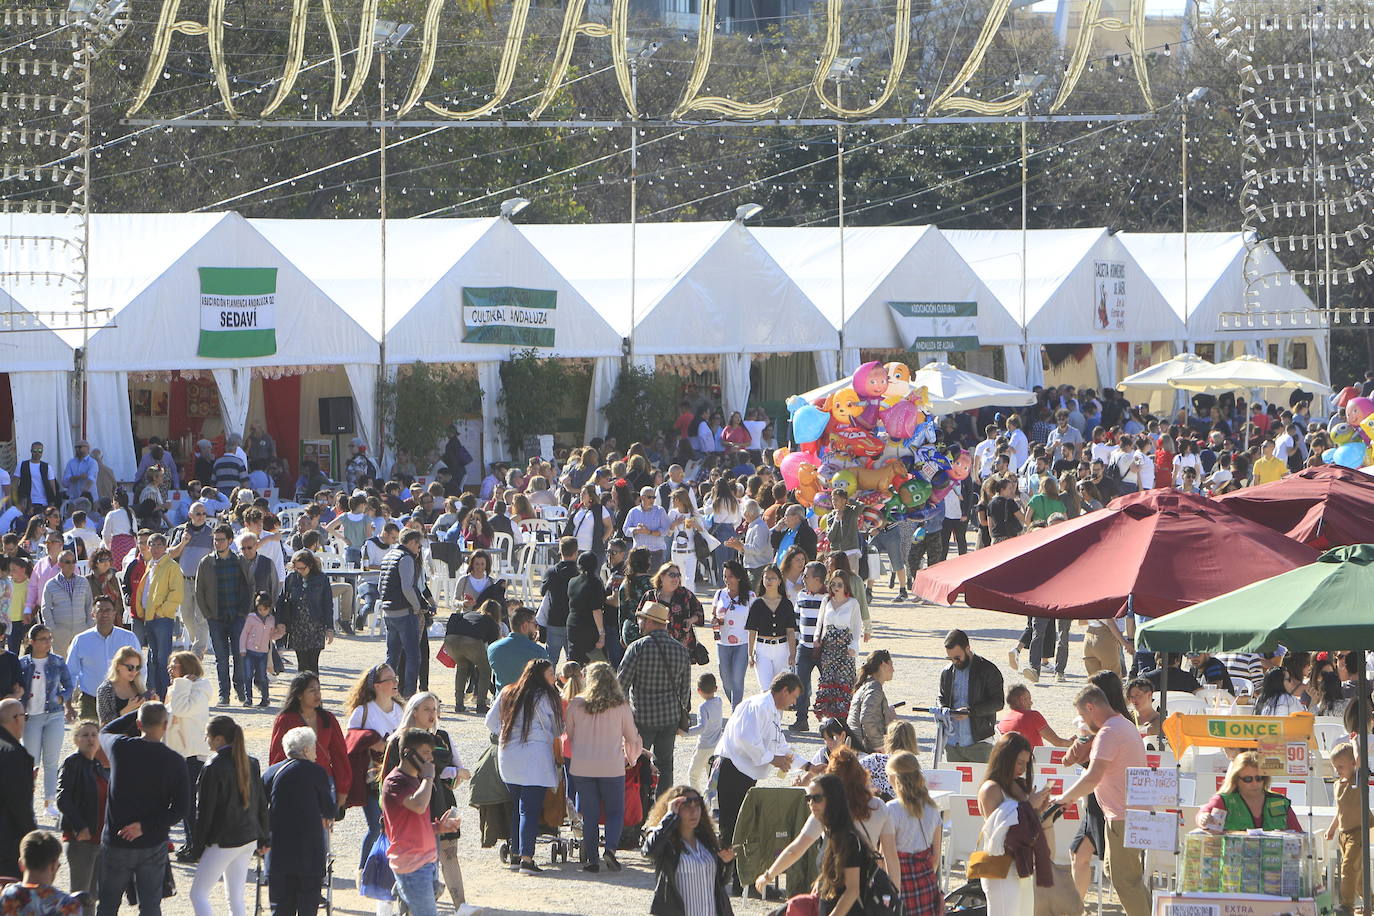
(381, 209)
(84, 393)
(1183, 155)
(1025, 245)
(634, 197)
(839, 192)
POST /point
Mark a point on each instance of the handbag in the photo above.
(699, 653)
(377, 879)
(986, 865)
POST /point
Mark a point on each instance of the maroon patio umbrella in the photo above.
(1328, 506)
(1160, 550)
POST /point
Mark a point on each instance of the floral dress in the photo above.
(632, 593)
(684, 612)
(837, 672)
(306, 607)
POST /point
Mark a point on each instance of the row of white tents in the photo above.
(709, 289)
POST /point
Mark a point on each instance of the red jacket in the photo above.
(330, 751)
(361, 758)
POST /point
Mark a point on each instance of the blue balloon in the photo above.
(1329, 456)
(808, 423)
(1350, 455)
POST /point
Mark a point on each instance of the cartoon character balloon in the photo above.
(870, 384)
(809, 423)
(961, 466)
(1357, 409)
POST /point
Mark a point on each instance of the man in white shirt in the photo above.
(984, 451)
(1145, 462)
(1101, 449)
(1127, 462)
(1020, 447)
(1283, 445)
(752, 744)
(90, 541)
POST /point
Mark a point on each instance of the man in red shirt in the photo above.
(414, 852)
(1020, 717)
(683, 423)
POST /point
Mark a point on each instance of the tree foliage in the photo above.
(420, 402)
(639, 403)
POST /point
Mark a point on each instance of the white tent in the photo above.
(1216, 284)
(39, 364)
(434, 269)
(1081, 286)
(699, 288)
(883, 266)
(949, 389)
(147, 269)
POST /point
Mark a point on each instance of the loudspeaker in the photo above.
(336, 416)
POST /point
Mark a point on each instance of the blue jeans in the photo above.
(403, 635)
(368, 593)
(597, 795)
(526, 811)
(556, 639)
(146, 867)
(224, 642)
(43, 735)
(722, 532)
(372, 812)
(159, 651)
(734, 663)
(417, 890)
(807, 658)
(255, 672)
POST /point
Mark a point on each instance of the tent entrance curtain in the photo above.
(825, 366)
(235, 392)
(281, 403)
(42, 414)
(109, 423)
(605, 374)
(734, 382)
(1035, 366)
(1104, 354)
(362, 378)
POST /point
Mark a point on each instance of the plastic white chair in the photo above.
(330, 559)
(1329, 734)
(552, 513)
(289, 517)
(1186, 703)
(522, 576)
(965, 823)
(503, 545)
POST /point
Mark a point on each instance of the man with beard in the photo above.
(971, 692)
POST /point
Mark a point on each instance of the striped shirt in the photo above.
(1246, 666)
(696, 879)
(808, 612)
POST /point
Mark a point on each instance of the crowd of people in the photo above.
(693, 529)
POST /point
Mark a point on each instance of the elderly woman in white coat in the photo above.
(188, 701)
(527, 720)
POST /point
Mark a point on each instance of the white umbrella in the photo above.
(1246, 372)
(951, 390)
(1158, 376)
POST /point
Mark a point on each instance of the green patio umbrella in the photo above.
(1327, 604)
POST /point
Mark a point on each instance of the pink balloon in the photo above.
(1356, 409)
(901, 419)
(790, 466)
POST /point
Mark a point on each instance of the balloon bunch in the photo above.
(873, 439)
(1352, 432)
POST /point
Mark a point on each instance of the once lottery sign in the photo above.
(1235, 731)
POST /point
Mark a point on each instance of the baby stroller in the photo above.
(557, 814)
(640, 781)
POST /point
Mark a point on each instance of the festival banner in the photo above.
(509, 315)
(946, 327)
(1235, 731)
(238, 312)
(1109, 295)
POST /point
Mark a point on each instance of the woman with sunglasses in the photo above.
(684, 610)
(1245, 802)
(837, 646)
(690, 867)
(188, 702)
(731, 613)
(47, 688)
(306, 608)
(842, 859)
(123, 690)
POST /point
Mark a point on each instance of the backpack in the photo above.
(1111, 477)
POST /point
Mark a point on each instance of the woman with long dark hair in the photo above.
(302, 707)
(527, 719)
(1276, 694)
(772, 626)
(231, 818)
(730, 614)
(306, 608)
(1007, 779)
(838, 885)
(727, 514)
(690, 867)
(587, 611)
(837, 646)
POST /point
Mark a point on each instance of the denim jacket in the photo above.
(59, 681)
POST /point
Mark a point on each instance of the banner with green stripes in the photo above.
(238, 312)
(509, 315)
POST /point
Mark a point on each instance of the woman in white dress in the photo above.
(1008, 780)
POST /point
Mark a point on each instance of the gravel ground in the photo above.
(912, 632)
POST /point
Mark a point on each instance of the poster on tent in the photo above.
(1109, 295)
(238, 312)
(941, 327)
(509, 315)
